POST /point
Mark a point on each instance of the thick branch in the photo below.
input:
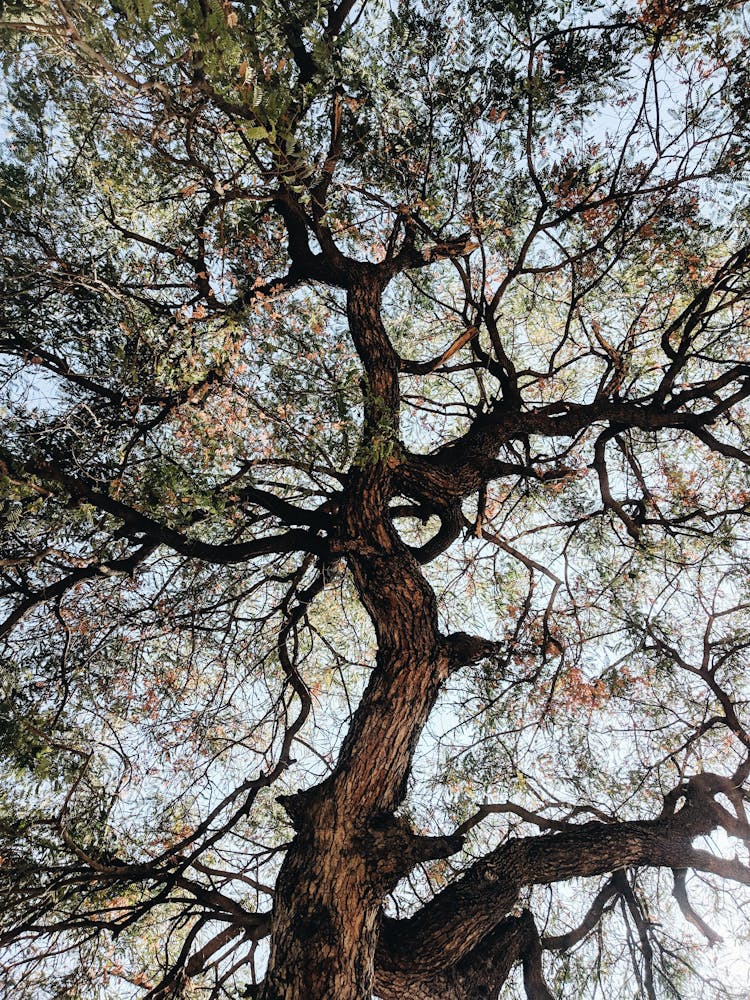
(481, 972)
(453, 922)
(459, 469)
(139, 523)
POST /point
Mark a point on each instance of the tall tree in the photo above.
(375, 491)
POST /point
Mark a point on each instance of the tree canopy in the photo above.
(374, 476)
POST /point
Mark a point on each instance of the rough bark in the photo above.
(349, 848)
(482, 971)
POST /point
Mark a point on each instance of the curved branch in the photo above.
(138, 523)
(110, 567)
(680, 894)
(451, 924)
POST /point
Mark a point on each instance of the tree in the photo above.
(375, 495)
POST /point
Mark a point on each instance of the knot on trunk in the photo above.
(464, 649)
(298, 806)
(393, 849)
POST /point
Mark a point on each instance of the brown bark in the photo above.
(349, 850)
(329, 938)
(450, 926)
(461, 467)
(482, 972)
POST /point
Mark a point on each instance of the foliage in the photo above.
(374, 387)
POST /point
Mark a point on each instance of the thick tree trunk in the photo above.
(482, 971)
(350, 849)
(325, 920)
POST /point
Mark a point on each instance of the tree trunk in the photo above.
(350, 849)
(325, 918)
